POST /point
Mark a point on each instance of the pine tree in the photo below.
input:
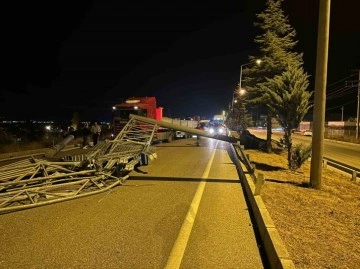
(289, 99)
(276, 42)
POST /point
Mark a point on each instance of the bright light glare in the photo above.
(242, 92)
(48, 127)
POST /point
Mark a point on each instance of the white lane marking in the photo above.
(179, 247)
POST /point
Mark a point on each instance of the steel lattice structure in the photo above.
(34, 182)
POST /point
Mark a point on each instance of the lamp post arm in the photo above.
(240, 77)
(241, 71)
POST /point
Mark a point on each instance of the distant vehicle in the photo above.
(218, 128)
(307, 133)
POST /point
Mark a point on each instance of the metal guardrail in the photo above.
(355, 172)
(258, 180)
(273, 247)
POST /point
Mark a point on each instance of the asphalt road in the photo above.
(186, 209)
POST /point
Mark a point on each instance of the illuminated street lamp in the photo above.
(241, 91)
(258, 62)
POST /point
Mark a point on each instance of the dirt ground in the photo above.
(320, 228)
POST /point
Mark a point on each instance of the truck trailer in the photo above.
(146, 107)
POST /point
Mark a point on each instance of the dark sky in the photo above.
(62, 57)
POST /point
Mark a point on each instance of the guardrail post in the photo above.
(354, 175)
(253, 166)
(324, 164)
(258, 183)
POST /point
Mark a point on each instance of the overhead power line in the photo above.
(346, 90)
(336, 82)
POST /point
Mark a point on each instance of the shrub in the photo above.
(299, 154)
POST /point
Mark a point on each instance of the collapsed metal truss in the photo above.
(34, 182)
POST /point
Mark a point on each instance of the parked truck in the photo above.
(146, 107)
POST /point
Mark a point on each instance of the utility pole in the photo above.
(358, 110)
(320, 94)
(342, 113)
(355, 83)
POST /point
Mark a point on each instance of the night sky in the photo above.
(62, 57)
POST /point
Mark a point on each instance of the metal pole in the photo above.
(189, 130)
(232, 102)
(233, 97)
(241, 70)
(242, 110)
(358, 110)
(241, 76)
(320, 94)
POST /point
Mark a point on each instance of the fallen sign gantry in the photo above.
(35, 182)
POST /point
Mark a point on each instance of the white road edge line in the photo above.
(179, 247)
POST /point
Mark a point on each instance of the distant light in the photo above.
(114, 107)
(136, 107)
(48, 127)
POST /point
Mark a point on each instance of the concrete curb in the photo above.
(275, 249)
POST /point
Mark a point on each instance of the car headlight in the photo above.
(211, 130)
(221, 130)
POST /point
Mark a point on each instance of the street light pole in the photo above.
(258, 61)
(232, 101)
(241, 92)
(241, 75)
(358, 110)
(241, 69)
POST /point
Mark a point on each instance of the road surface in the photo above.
(184, 210)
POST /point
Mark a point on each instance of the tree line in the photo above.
(278, 85)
